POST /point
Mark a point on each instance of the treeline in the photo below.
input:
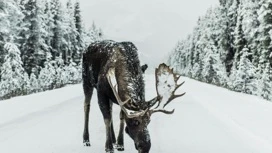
(41, 42)
(230, 47)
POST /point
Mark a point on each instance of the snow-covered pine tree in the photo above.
(265, 28)
(239, 38)
(250, 26)
(72, 33)
(220, 31)
(10, 17)
(58, 39)
(95, 33)
(73, 74)
(223, 2)
(49, 26)
(26, 86)
(198, 40)
(80, 40)
(177, 58)
(12, 72)
(265, 85)
(33, 45)
(34, 84)
(245, 80)
(211, 66)
(232, 7)
(47, 76)
(61, 77)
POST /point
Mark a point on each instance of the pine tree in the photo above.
(10, 17)
(250, 27)
(95, 33)
(73, 75)
(26, 86)
(61, 74)
(210, 68)
(221, 29)
(34, 46)
(265, 86)
(49, 26)
(34, 84)
(71, 34)
(239, 38)
(57, 30)
(76, 55)
(245, 76)
(231, 24)
(12, 72)
(265, 19)
(47, 76)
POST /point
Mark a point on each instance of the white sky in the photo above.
(154, 26)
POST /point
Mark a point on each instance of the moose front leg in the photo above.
(109, 142)
(120, 139)
(113, 134)
(106, 109)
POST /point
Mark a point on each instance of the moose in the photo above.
(113, 68)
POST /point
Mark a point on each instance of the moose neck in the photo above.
(129, 77)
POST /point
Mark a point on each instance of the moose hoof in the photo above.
(109, 151)
(120, 147)
(86, 143)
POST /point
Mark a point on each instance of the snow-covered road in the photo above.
(207, 119)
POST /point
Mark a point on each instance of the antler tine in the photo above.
(163, 111)
(179, 85)
(172, 98)
(152, 102)
(130, 114)
(178, 76)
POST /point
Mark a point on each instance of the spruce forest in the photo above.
(41, 42)
(230, 47)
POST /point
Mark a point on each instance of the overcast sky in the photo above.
(154, 26)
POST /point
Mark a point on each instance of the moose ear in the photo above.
(144, 67)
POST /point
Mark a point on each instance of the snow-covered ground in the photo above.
(207, 119)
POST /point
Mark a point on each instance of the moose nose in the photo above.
(142, 149)
(143, 146)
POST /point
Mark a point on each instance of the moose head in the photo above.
(137, 121)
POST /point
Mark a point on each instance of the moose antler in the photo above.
(113, 83)
(166, 86)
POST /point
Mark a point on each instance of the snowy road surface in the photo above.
(207, 119)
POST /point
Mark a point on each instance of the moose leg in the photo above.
(112, 134)
(88, 96)
(106, 109)
(120, 139)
